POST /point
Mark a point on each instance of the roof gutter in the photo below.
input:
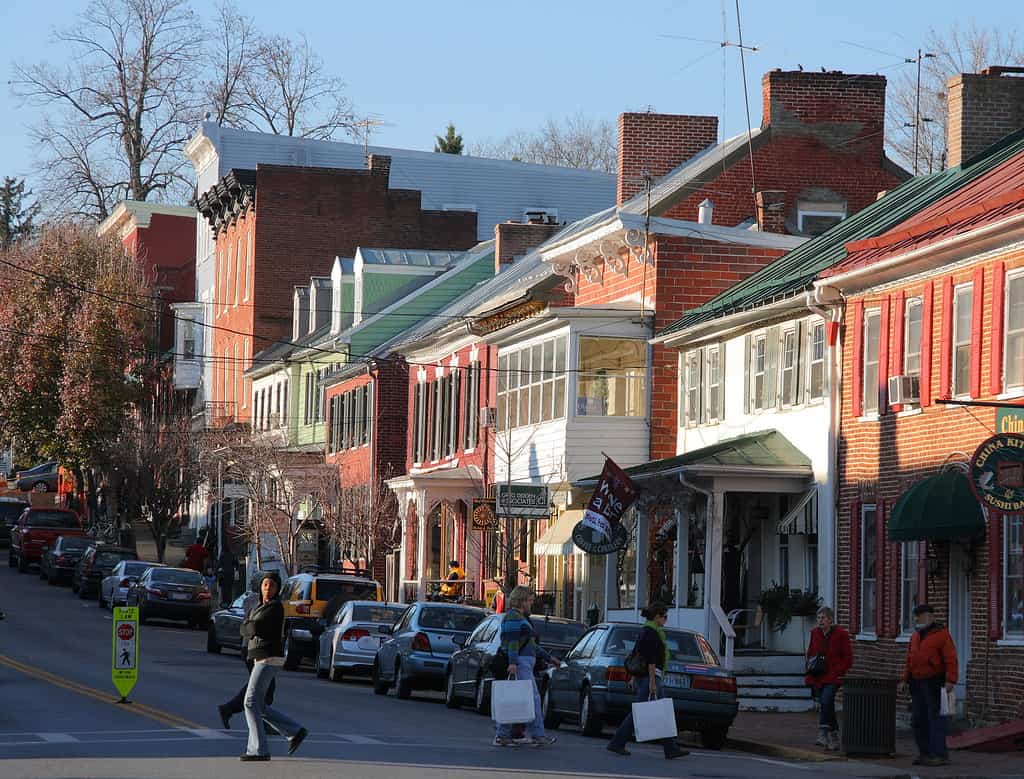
(726, 325)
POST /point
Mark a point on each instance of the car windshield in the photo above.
(682, 647)
(74, 544)
(52, 519)
(174, 576)
(136, 569)
(328, 588)
(566, 633)
(441, 618)
(111, 558)
(9, 512)
(384, 615)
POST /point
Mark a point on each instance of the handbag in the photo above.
(512, 701)
(654, 720)
(635, 664)
(947, 702)
(818, 665)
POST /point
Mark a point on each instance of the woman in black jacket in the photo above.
(652, 646)
(263, 627)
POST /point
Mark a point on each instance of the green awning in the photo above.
(940, 508)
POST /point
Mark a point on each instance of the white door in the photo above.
(960, 612)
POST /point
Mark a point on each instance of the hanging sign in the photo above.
(483, 514)
(600, 531)
(125, 672)
(997, 473)
(523, 501)
(595, 542)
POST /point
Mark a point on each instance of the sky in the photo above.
(496, 67)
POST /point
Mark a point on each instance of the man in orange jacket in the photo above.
(931, 672)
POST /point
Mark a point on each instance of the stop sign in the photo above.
(125, 632)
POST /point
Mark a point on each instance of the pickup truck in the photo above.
(39, 529)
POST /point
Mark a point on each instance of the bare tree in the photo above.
(232, 43)
(576, 141)
(364, 522)
(962, 49)
(120, 112)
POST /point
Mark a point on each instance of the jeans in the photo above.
(929, 727)
(827, 703)
(535, 729)
(256, 710)
(625, 731)
(237, 704)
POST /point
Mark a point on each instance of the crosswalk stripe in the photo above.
(57, 738)
(354, 738)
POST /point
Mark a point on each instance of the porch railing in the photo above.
(727, 632)
(410, 589)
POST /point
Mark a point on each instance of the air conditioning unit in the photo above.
(904, 390)
(488, 416)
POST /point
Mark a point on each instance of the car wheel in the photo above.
(551, 719)
(482, 702)
(22, 564)
(380, 687)
(318, 668)
(40, 486)
(211, 642)
(403, 686)
(335, 674)
(291, 659)
(450, 699)
(590, 724)
(714, 738)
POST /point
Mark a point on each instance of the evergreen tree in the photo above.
(450, 143)
(17, 216)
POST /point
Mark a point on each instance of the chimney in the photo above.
(300, 312)
(379, 165)
(771, 211)
(319, 302)
(835, 107)
(706, 211)
(658, 143)
(512, 240)
(983, 108)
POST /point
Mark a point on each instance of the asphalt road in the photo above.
(59, 716)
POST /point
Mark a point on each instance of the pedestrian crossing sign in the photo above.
(125, 671)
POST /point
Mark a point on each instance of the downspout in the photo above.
(371, 366)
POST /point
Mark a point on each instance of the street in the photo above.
(60, 717)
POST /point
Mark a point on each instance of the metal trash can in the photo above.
(869, 716)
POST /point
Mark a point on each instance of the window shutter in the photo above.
(977, 313)
(884, 328)
(800, 366)
(881, 563)
(893, 584)
(771, 349)
(747, 350)
(995, 575)
(926, 343)
(946, 339)
(857, 396)
(898, 333)
(855, 564)
(371, 415)
(721, 382)
(995, 383)
(922, 571)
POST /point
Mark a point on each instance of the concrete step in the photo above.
(776, 704)
(790, 665)
(769, 680)
(774, 692)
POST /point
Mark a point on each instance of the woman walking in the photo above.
(263, 627)
(652, 647)
(829, 657)
(519, 641)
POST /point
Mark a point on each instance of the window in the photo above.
(713, 372)
(811, 561)
(417, 423)
(321, 395)
(871, 324)
(815, 218)
(963, 302)
(1015, 331)
(790, 365)
(868, 568)
(229, 284)
(612, 380)
(471, 407)
(816, 354)
(452, 410)
(912, 338)
(248, 260)
(531, 384)
(908, 585)
(310, 389)
(437, 413)
(701, 396)
(784, 560)
(239, 269)
(691, 387)
(188, 349)
(759, 371)
(1014, 555)
(242, 368)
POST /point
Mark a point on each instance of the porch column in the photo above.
(643, 522)
(421, 545)
(713, 563)
(682, 517)
(404, 550)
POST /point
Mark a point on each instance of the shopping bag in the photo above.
(512, 701)
(947, 703)
(654, 720)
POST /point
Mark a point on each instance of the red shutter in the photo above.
(977, 311)
(995, 372)
(894, 584)
(858, 359)
(946, 338)
(927, 306)
(922, 571)
(898, 323)
(855, 567)
(883, 355)
(995, 575)
(881, 578)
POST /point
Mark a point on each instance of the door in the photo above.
(960, 612)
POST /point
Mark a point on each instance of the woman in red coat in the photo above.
(829, 657)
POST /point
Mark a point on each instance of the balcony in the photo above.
(214, 415)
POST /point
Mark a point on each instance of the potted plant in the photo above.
(804, 603)
(775, 603)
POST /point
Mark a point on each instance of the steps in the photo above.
(772, 683)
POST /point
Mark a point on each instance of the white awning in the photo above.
(802, 519)
(557, 539)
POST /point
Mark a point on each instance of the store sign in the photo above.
(594, 541)
(1010, 420)
(483, 514)
(997, 473)
(523, 501)
(235, 491)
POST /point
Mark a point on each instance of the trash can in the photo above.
(869, 716)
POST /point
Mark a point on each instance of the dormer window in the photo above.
(814, 218)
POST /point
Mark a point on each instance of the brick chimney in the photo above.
(379, 164)
(771, 210)
(983, 108)
(514, 239)
(837, 107)
(658, 143)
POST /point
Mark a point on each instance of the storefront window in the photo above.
(1014, 577)
(695, 568)
(612, 380)
(661, 565)
(868, 570)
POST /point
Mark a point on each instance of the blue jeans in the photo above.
(929, 727)
(535, 729)
(625, 731)
(827, 703)
(257, 710)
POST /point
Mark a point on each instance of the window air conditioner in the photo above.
(904, 390)
(488, 416)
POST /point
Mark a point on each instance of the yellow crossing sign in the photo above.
(125, 671)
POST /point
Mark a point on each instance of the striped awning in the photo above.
(557, 539)
(802, 519)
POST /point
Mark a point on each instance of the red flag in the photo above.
(615, 492)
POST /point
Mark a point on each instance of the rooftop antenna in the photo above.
(918, 119)
(366, 124)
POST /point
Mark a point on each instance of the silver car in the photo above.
(349, 644)
(114, 588)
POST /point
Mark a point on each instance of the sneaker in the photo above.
(672, 754)
(618, 750)
(225, 717)
(294, 741)
(247, 758)
(543, 741)
(822, 740)
(503, 741)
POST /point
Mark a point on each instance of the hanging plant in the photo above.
(804, 603)
(775, 604)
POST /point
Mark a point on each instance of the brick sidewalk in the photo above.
(787, 735)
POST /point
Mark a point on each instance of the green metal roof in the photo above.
(795, 271)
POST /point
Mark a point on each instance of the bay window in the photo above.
(612, 379)
(531, 384)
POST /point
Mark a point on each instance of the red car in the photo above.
(39, 529)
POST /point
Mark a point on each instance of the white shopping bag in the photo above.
(512, 701)
(654, 720)
(947, 703)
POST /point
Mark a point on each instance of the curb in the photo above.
(787, 753)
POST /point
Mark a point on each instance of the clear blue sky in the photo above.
(494, 67)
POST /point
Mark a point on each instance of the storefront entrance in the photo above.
(960, 563)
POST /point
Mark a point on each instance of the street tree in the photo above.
(17, 212)
(576, 141)
(450, 142)
(363, 522)
(231, 43)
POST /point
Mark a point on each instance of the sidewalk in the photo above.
(791, 736)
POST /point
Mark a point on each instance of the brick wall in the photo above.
(983, 107)
(513, 240)
(658, 143)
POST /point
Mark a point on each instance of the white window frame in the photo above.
(691, 385)
(804, 208)
(759, 403)
(793, 399)
(1008, 386)
(711, 409)
(912, 305)
(1015, 635)
(248, 260)
(864, 630)
(908, 580)
(870, 392)
(510, 371)
(961, 339)
(629, 378)
(812, 326)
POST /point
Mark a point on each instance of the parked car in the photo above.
(349, 644)
(468, 676)
(95, 565)
(41, 478)
(58, 562)
(10, 510)
(422, 641)
(305, 597)
(171, 593)
(223, 630)
(592, 687)
(39, 529)
(114, 588)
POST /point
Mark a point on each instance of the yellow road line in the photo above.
(163, 717)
